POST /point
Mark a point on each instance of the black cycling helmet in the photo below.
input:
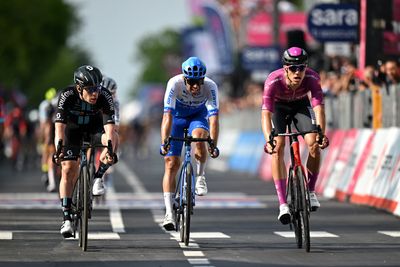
(109, 84)
(87, 75)
(294, 56)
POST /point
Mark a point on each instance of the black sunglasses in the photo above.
(192, 82)
(294, 68)
(92, 89)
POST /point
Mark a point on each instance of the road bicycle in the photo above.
(184, 199)
(297, 193)
(82, 198)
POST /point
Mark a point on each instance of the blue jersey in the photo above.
(181, 103)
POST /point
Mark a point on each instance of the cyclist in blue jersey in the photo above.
(190, 101)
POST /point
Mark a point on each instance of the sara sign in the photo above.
(334, 22)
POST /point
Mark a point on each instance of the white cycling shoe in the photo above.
(284, 214)
(201, 186)
(169, 222)
(98, 187)
(66, 229)
(314, 201)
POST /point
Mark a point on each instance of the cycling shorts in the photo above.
(198, 120)
(301, 111)
(75, 135)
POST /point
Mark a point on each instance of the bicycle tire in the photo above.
(305, 209)
(187, 207)
(86, 207)
(76, 207)
(293, 192)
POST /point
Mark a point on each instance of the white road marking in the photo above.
(121, 201)
(198, 261)
(6, 235)
(193, 253)
(290, 234)
(390, 233)
(117, 222)
(189, 246)
(98, 236)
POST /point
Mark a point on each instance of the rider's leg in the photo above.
(172, 164)
(69, 175)
(200, 152)
(313, 161)
(279, 169)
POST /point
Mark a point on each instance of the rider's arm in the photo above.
(320, 116)
(59, 133)
(109, 130)
(166, 125)
(266, 124)
(214, 128)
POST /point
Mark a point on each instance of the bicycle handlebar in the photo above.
(214, 151)
(60, 146)
(272, 141)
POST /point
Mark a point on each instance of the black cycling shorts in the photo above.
(301, 111)
(75, 135)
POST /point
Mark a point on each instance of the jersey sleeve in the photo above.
(108, 107)
(317, 95)
(62, 105)
(268, 101)
(212, 103)
(170, 97)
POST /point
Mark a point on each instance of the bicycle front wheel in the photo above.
(187, 207)
(305, 208)
(86, 207)
(293, 194)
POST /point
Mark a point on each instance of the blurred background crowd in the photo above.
(353, 44)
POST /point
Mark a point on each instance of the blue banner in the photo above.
(261, 58)
(334, 22)
(218, 26)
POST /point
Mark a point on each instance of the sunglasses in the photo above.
(92, 89)
(192, 82)
(294, 68)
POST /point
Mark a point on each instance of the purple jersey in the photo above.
(276, 89)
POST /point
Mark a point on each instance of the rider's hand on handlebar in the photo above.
(214, 151)
(164, 148)
(270, 145)
(269, 149)
(57, 158)
(324, 143)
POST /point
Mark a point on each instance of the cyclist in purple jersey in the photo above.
(191, 101)
(288, 91)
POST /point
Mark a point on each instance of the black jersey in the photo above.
(71, 109)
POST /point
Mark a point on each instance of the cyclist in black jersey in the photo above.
(77, 116)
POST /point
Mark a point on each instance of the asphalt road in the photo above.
(234, 225)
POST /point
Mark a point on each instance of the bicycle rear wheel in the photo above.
(293, 194)
(86, 207)
(187, 206)
(305, 208)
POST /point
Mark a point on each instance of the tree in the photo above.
(160, 55)
(34, 39)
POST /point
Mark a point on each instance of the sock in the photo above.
(312, 180)
(102, 169)
(201, 166)
(280, 186)
(168, 202)
(66, 207)
(45, 167)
